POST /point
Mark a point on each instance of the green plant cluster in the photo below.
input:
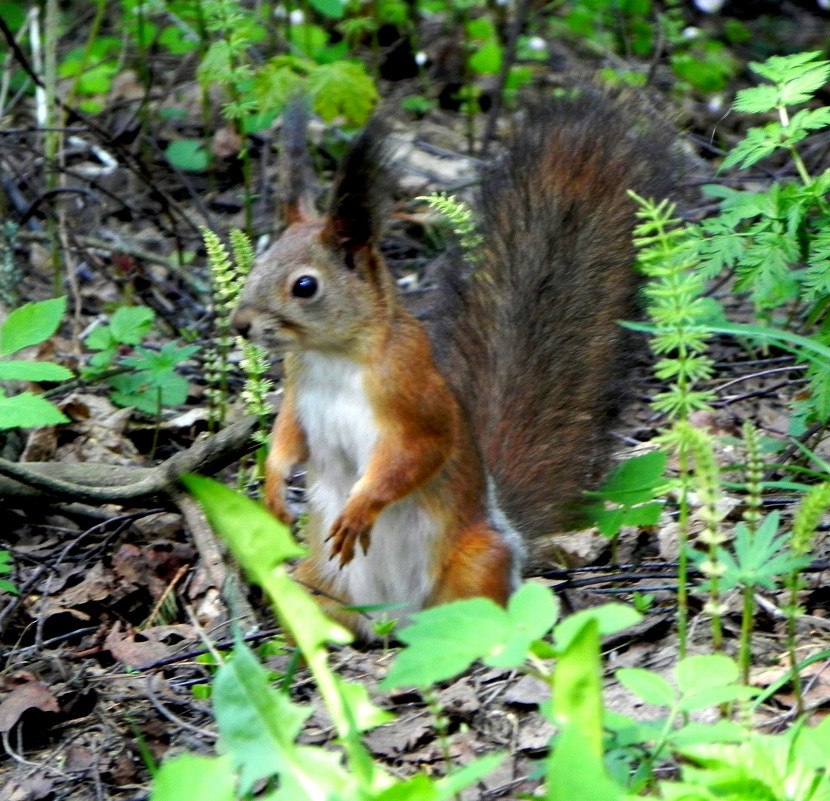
(596, 754)
(148, 379)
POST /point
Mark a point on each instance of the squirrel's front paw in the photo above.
(345, 532)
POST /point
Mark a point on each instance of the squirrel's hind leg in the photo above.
(481, 562)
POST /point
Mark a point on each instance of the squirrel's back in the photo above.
(528, 335)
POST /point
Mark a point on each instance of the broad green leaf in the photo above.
(445, 640)
(34, 371)
(31, 324)
(634, 480)
(577, 693)
(649, 686)
(574, 773)
(722, 731)
(188, 155)
(715, 696)
(190, 777)
(257, 724)
(704, 671)
(575, 769)
(486, 60)
(28, 410)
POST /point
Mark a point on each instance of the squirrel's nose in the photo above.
(241, 321)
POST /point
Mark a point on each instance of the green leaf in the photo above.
(636, 479)
(342, 88)
(531, 611)
(261, 544)
(27, 410)
(31, 324)
(486, 59)
(704, 671)
(130, 324)
(716, 696)
(259, 541)
(445, 640)
(610, 619)
(188, 155)
(649, 686)
(33, 371)
(329, 8)
(256, 723)
(575, 769)
(190, 777)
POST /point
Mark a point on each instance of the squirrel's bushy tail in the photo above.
(529, 335)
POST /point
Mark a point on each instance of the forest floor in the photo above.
(102, 666)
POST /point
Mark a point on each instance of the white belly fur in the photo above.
(334, 411)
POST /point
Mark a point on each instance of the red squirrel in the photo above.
(434, 448)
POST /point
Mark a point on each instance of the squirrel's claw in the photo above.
(343, 536)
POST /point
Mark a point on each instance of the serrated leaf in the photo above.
(34, 371)
(31, 324)
(343, 88)
(28, 410)
(756, 100)
(445, 640)
(634, 480)
(257, 724)
(130, 324)
(531, 611)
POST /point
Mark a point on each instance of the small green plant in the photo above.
(630, 494)
(776, 240)
(228, 272)
(146, 380)
(6, 567)
(29, 325)
(463, 222)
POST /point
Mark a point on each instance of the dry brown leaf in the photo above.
(31, 695)
(124, 647)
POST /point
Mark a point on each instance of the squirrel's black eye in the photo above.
(305, 287)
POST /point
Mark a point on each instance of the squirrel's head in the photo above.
(324, 281)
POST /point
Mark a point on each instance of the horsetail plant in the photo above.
(675, 304)
(228, 273)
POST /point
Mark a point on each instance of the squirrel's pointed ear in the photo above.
(297, 185)
(362, 185)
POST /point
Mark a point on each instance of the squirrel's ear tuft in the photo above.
(362, 185)
(297, 184)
